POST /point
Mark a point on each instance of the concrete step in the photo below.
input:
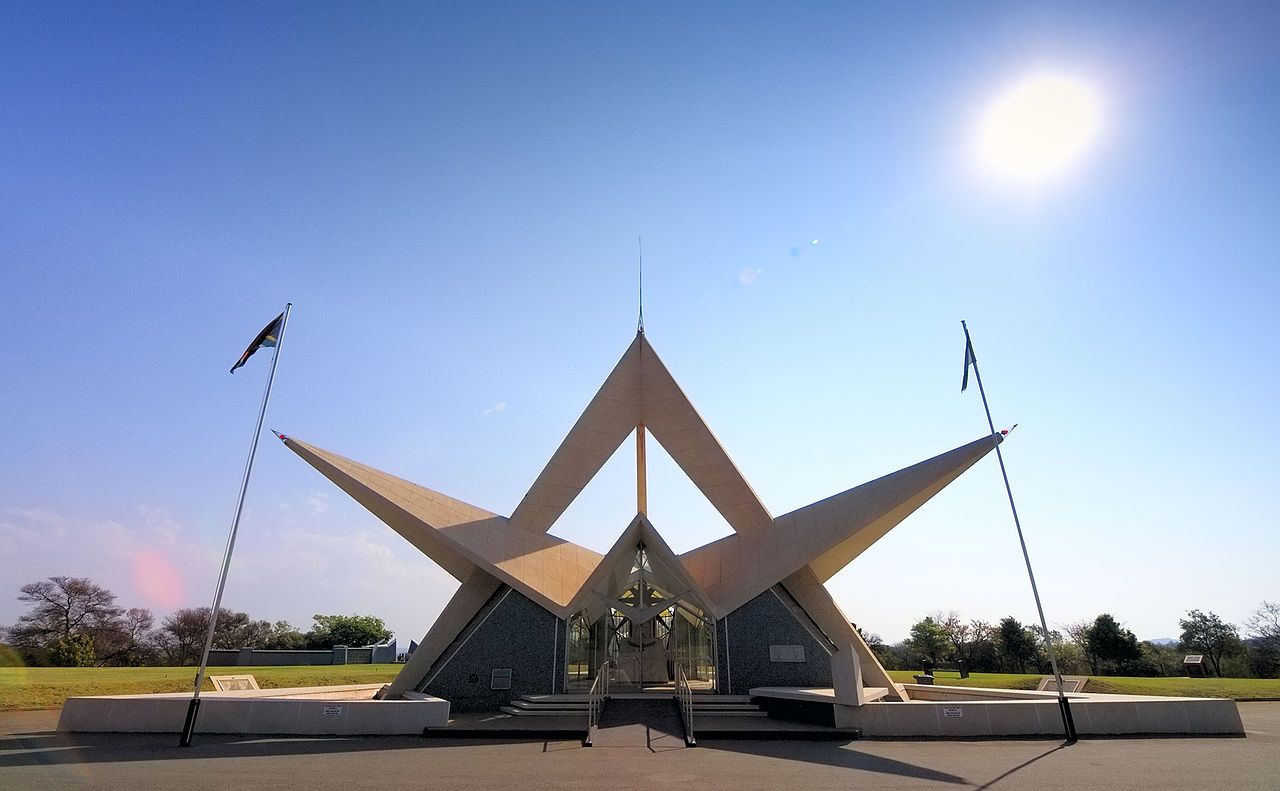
(568, 706)
(560, 698)
(728, 713)
(544, 711)
(698, 698)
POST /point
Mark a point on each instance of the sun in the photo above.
(1038, 127)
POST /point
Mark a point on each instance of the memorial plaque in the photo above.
(332, 711)
(233, 683)
(952, 711)
(786, 653)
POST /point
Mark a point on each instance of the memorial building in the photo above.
(536, 614)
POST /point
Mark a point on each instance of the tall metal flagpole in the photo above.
(194, 708)
(1063, 704)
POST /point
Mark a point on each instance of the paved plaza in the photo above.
(34, 756)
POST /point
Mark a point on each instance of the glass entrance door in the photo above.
(643, 627)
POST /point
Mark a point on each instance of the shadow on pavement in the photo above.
(43, 749)
(834, 754)
(1020, 767)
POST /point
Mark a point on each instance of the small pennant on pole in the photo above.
(969, 359)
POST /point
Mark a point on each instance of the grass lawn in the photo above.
(48, 687)
(1238, 688)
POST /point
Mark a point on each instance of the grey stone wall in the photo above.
(339, 655)
(516, 633)
(743, 657)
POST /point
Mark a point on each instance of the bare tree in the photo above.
(1078, 632)
(181, 635)
(63, 610)
(1264, 625)
(127, 640)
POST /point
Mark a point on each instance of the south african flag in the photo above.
(268, 337)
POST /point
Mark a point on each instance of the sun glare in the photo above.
(1038, 127)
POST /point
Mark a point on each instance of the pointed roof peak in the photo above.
(640, 391)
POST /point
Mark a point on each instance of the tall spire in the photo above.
(640, 249)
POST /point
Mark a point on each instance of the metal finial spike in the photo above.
(640, 249)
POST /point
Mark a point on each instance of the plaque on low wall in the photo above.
(500, 678)
(786, 653)
(233, 683)
(1069, 684)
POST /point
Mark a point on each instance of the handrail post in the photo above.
(595, 701)
(684, 699)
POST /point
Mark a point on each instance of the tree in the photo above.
(1264, 624)
(872, 639)
(929, 640)
(1077, 632)
(970, 642)
(1015, 644)
(348, 630)
(75, 620)
(1165, 660)
(62, 607)
(1207, 634)
(285, 637)
(1110, 647)
(1263, 628)
(182, 634)
(127, 640)
(73, 651)
(1071, 658)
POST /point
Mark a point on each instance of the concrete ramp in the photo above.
(647, 724)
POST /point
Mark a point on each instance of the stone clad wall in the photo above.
(517, 634)
(744, 659)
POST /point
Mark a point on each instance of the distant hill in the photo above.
(1164, 641)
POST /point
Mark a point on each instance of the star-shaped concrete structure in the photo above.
(748, 610)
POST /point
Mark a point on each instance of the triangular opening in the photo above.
(677, 508)
(605, 506)
(640, 390)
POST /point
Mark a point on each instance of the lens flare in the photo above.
(156, 579)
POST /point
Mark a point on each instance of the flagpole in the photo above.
(1063, 704)
(193, 709)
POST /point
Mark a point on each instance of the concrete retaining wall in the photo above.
(1094, 715)
(303, 710)
(338, 655)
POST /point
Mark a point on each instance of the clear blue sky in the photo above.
(450, 195)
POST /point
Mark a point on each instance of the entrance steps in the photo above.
(576, 704)
(725, 706)
(547, 706)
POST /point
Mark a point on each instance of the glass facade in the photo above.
(646, 624)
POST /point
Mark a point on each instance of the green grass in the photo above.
(48, 687)
(1238, 688)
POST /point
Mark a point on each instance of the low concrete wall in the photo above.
(338, 711)
(954, 713)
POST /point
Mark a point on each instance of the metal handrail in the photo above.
(684, 699)
(595, 701)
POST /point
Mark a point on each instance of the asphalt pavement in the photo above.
(34, 756)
